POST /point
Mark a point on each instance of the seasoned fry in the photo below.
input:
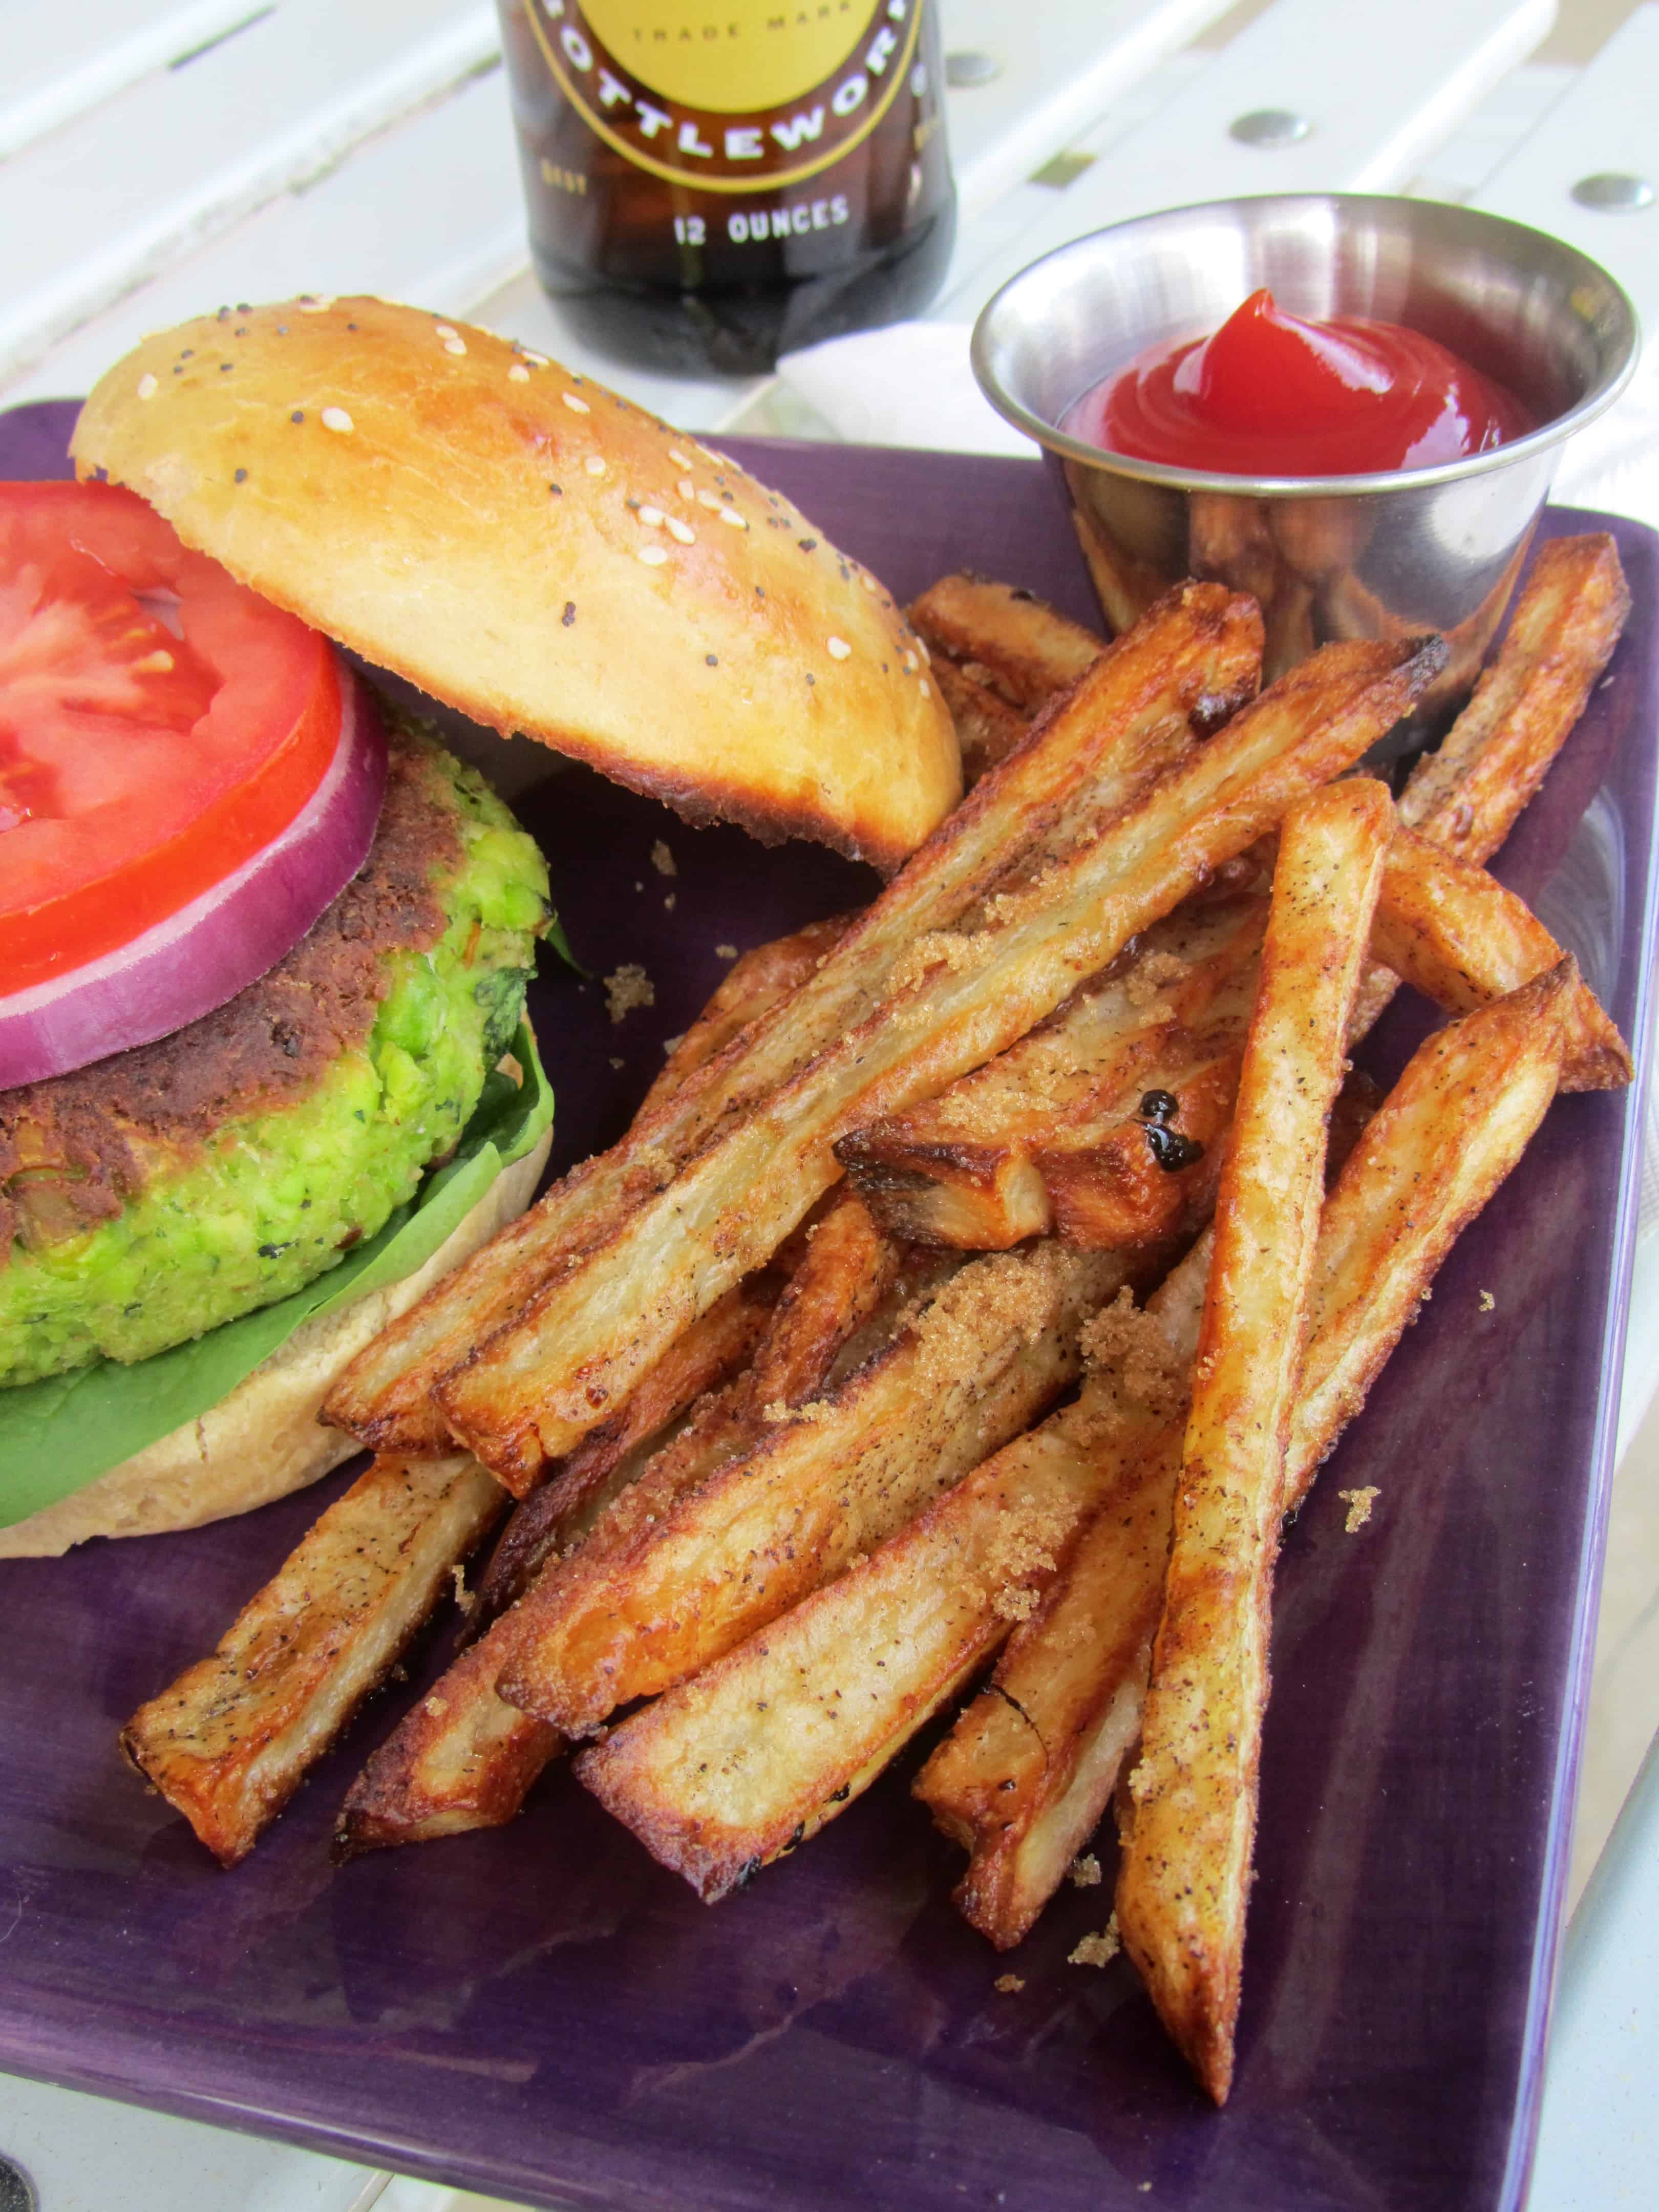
(959, 1169)
(987, 728)
(458, 1759)
(465, 1759)
(1456, 934)
(1193, 659)
(1185, 1877)
(665, 1586)
(541, 1381)
(1023, 1778)
(1008, 642)
(1046, 1139)
(938, 1174)
(229, 1742)
(848, 1269)
(711, 1352)
(1447, 1134)
(1148, 1168)
(736, 1766)
(757, 982)
(1466, 797)
(1026, 1774)
(462, 1758)
(740, 1764)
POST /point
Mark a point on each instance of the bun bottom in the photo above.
(264, 1439)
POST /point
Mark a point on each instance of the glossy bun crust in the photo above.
(526, 546)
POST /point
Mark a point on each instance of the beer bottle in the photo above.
(714, 182)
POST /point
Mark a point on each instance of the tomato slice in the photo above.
(160, 724)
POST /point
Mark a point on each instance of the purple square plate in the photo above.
(544, 2011)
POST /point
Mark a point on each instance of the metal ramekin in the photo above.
(1328, 556)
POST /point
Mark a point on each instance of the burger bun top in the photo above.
(541, 554)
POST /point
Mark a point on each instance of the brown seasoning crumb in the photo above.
(1130, 1342)
(1097, 1950)
(627, 988)
(1359, 1502)
(1149, 977)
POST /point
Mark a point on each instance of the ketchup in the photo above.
(1270, 395)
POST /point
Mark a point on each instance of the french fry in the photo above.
(462, 1757)
(1443, 1141)
(713, 1349)
(1008, 642)
(740, 1764)
(987, 728)
(465, 1759)
(966, 1177)
(845, 1275)
(458, 1759)
(1042, 1140)
(959, 1169)
(848, 1269)
(230, 1740)
(1193, 659)
(1466, 797)
(532, 1389)
(1456, 934)
(667, 1585)
(757, 981)
(736, 1766)
(1023, 1778)
(1147, 1169)
(1185, 1877)
(1448, 1134)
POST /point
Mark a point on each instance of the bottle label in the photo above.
(729, 95)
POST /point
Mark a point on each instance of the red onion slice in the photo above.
(203, 956)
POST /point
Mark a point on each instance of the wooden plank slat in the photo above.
(55, 63)
(1061, 66)
(1608, 120)
(1379, 88)
(90, 212)
(431, 212)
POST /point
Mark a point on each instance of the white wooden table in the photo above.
(160, 156)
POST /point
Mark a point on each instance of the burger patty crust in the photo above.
(162, 1191)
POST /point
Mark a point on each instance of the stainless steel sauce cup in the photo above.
(1328, 556)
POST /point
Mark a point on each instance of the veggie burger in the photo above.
(265, 1074)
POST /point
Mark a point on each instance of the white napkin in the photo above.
(908, 385)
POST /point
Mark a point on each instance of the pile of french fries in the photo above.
(979, 1286)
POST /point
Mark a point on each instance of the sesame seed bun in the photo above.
(543, 555)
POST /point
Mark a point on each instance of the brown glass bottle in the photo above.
(712, 183)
